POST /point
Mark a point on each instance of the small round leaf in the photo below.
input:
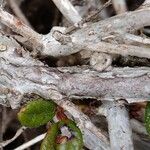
(37, 112)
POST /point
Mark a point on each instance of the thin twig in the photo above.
(131, 39)
(88, 18)
(18, 12)
(92, 16)
(97, 5)
(31, 142)
(68, 10)
(18, 133)
(19, 27)
(121, 49)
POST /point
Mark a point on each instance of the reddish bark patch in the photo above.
(19, 23)
(60, 114)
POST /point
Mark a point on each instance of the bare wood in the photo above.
(18, 12)
(49, 46)
(20, 74)
(18, 133)
(68, 10)
(131, 39)
(119, 126)
(120, 6)
(137, 126)
(132, 84)
(16, 55)
(31, 142)
(19, 27)
(121, 49)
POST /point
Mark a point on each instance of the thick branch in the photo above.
(27, 75)
(132, 84)
(119, 127)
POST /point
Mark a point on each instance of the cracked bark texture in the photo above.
(130, 84)
(31, 76)
(21, 73)
(47, 45)
(119, 126)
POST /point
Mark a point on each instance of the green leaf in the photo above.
(75, 143)
(37, 112)
(147, 117)
(49, 141)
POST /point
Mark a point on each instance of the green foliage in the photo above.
(37, 112)
(75, 143)
(147, 117)
(49, 141)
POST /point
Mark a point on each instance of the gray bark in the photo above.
(119, 127)
(22, 74)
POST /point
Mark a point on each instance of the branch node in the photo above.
(61, 38)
